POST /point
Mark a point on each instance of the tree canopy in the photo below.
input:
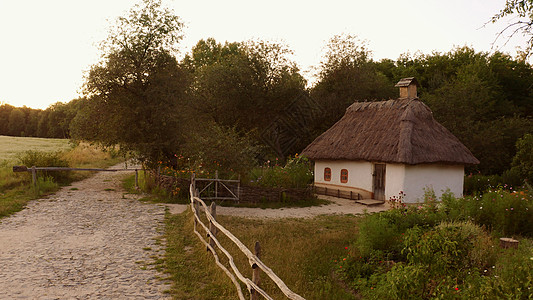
(134, 94)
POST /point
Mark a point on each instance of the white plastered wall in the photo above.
(436, 177)
(359, 174)
(394, 180)
(398, 177)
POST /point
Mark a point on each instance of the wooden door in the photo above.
(378, 184)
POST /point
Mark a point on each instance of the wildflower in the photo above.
(481, 207)
(346, 248)
(344, 258)
(456, 288)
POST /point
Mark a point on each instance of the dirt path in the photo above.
(336, 207)
(88, 241)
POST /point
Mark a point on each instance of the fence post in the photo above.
(216, 183)
(212, 229)
(34, 176)
(136, 178)
(239, 189)
(254, 295)
(193, 182)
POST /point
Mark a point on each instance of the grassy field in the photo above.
(16, 189)
(11, 146)
(289, 248)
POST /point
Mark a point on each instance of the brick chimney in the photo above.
(407, 87)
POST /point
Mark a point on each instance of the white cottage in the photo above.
(379, 149)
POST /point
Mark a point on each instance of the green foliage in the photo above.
(134, 95)
(246, 85)
(504, 212)
(378, 233)
(297, 173)
(217, 148)
(36, 158)
(483, 99)
(347, 74)
(442, 251)
(523, 160)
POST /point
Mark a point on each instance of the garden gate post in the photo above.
(254, 295)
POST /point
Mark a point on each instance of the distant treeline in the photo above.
(53, 122)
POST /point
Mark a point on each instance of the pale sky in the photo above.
(46, 46)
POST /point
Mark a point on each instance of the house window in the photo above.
(327, 174)
(344, 175)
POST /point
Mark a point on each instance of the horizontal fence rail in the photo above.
(33, 170)
(253, 259)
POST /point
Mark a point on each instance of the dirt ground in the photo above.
(336, 207)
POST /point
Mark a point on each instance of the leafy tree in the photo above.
(212, 147)
(17, 122)
(348, 74)
(134, 93)
(523, 159)
(246, 86)
(5, 111)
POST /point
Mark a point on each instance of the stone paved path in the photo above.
(84, 242)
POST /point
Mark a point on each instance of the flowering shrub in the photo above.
(442, 251)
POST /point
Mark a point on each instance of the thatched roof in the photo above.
(393, 131)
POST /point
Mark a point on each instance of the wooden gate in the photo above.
(378, 184)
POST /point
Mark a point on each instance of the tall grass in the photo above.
(290, 248)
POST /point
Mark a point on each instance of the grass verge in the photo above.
(302, 252)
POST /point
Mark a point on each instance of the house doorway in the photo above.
(378, 182)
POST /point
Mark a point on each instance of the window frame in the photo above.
(344, 177)
(327, 174)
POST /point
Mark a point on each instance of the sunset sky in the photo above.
(46, 46)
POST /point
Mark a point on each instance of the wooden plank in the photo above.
(20, 168)
(255, 272)
(219, 180)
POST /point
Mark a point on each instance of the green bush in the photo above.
(296, 173)
(501, 211)
(377, 233)
(443, 251)
(35, 158)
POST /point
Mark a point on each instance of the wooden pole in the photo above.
(239, 189)
(34, 176)
(136, 178)
(254, 295)
(193, 181)
(212, 228)
(216, 184)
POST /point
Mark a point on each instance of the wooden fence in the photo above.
(255, 263)
(337, 193)
(216, 188)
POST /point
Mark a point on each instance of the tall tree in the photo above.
(347, 74)
(17, 122)
(134, 93)
(246, 86)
